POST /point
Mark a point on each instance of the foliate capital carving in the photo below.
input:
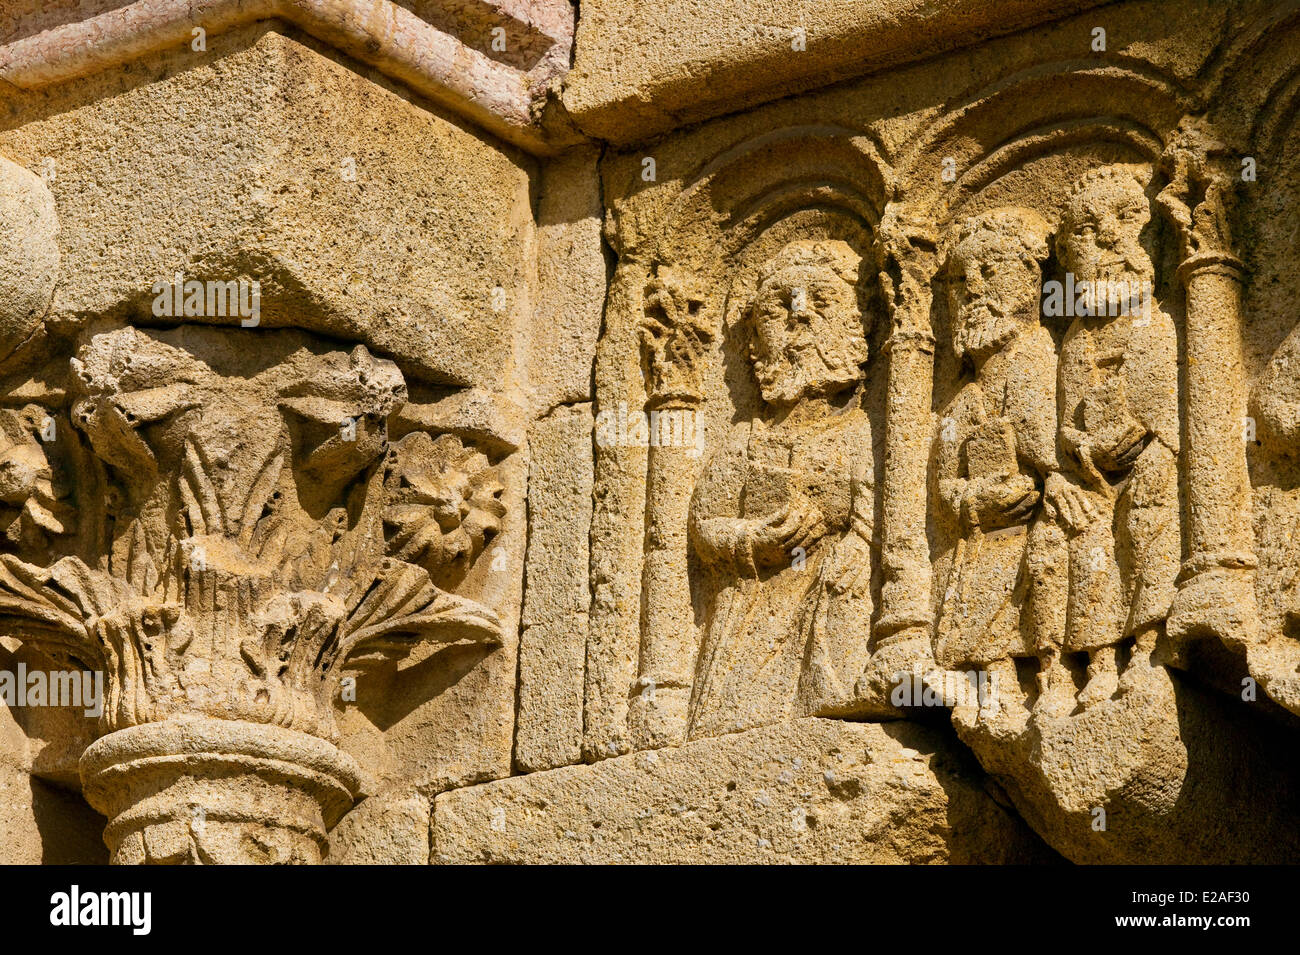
(907, 248)
(244, 527)
(675, 339)
(1199, 199)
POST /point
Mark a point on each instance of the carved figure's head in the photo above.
(1101, 235)
(809, 335)
(994, 277)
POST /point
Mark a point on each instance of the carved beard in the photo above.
(1134, 265)
(988, 333)
(802, 372)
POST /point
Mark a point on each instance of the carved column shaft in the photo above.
(1217, 581)
(909, 263)
(906, 551)
(668, 645)
(675, 341)
(1218, 532)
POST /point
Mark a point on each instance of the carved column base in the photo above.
(1216, 601)
(207, 791)
(904, 652)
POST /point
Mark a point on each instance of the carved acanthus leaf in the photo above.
(675, 338)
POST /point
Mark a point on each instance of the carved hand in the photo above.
(850, 565)
(1078, 446)
(1118, 446)
(797, 524)
(1000, 501)
(1075, 505)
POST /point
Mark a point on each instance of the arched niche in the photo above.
(1022, 141)
(789, 184)
(1253, 96)
(736, 210)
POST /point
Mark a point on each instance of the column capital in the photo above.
(907, 246)
(1199, 199)
(675, 339)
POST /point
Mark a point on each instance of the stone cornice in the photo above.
(642, 69)
(443, 62)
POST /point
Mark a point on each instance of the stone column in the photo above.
(902, 636)
(223, 635)
(676, 343)
(215, 791)
(1216, 585)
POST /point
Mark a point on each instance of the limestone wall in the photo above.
(761, 432)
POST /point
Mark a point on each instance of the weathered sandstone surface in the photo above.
(818, 431)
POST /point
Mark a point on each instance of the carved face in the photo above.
(808, 332)
(1101, 231)
(32, 499)
(993, 290)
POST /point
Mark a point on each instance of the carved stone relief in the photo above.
(965, 393)
(246, 532)
(1043, 495)
(784, 511)
(998, 474)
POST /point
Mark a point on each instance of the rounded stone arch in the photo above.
(1251, 89)
(1103, 109)
(741, 208)
(1020, 141)
(744, 203)
(737, 193)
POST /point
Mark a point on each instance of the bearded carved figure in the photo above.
(1119, 426)
(784, 510)
(999, 479)
(246, 531)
